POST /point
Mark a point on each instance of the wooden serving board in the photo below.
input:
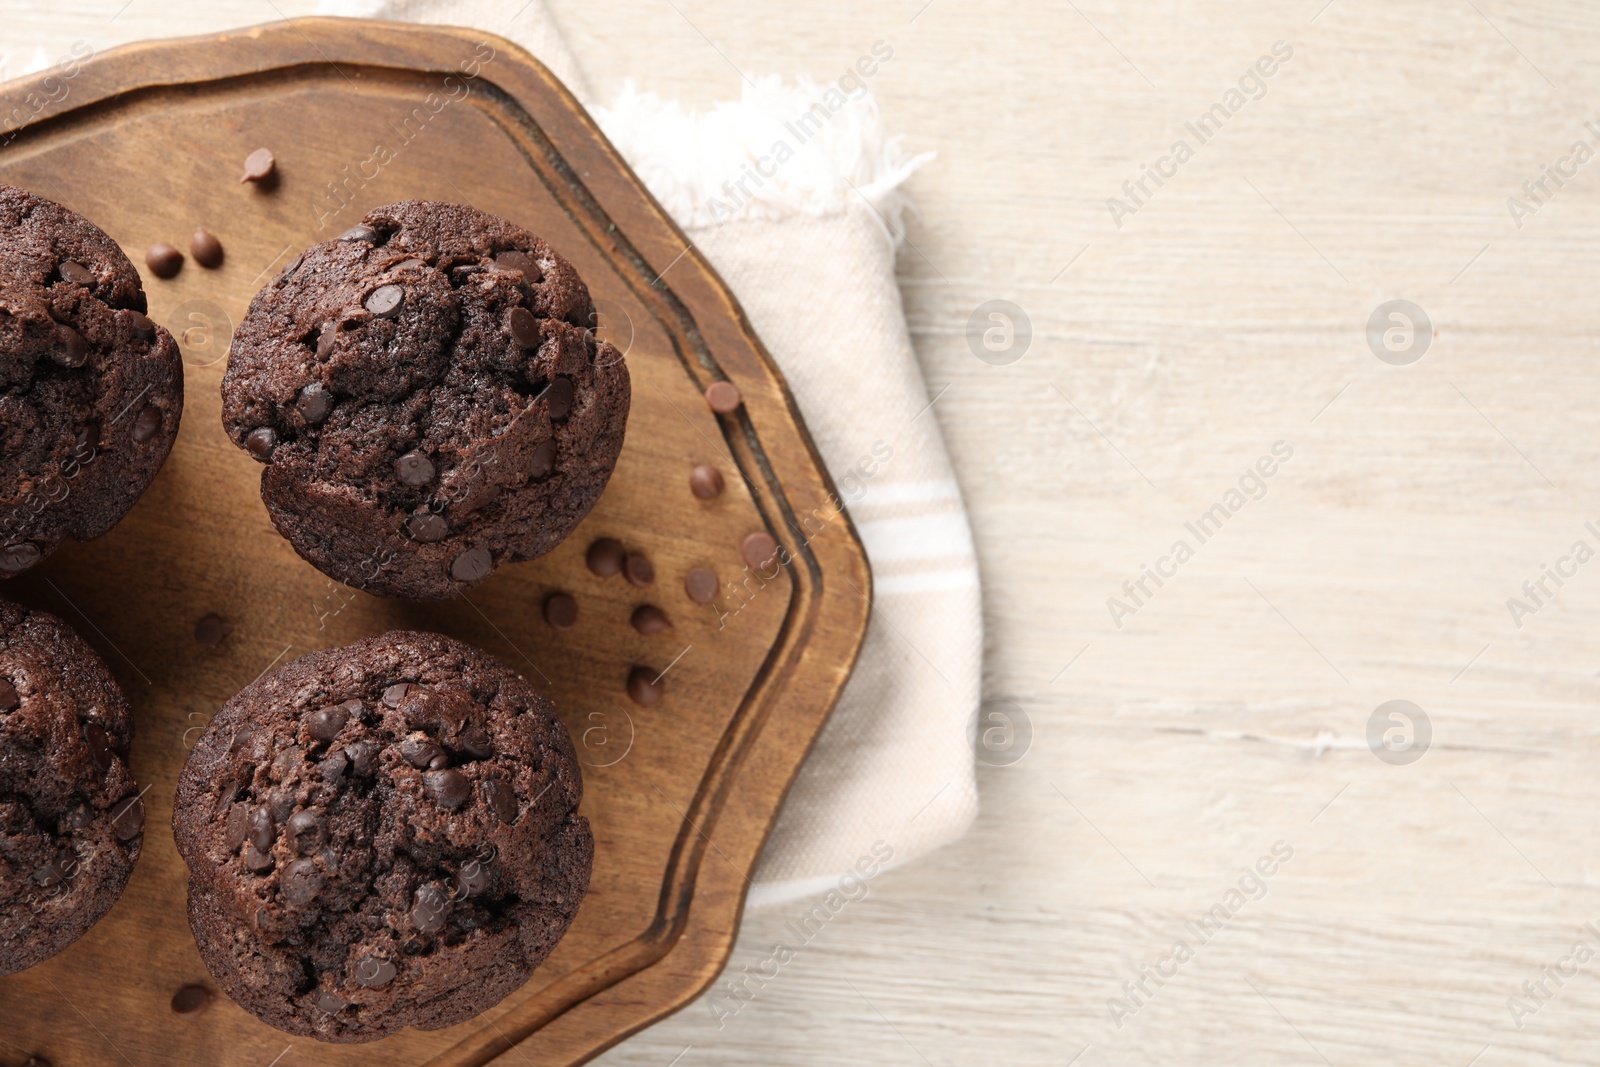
(148, 142)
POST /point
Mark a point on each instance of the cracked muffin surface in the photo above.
(71, 817)
(428, 398)
(380, 836)
(91, 389)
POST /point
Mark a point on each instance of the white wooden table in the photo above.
(1230, 709)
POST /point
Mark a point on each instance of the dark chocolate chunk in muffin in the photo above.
(90, 388)
(381, 836)
(71, 817)
(428, 398)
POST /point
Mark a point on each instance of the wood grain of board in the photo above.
(148, 143)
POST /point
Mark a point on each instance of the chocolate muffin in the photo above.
(91, 389)
(428, 398)
(380, 836)
(71, 819)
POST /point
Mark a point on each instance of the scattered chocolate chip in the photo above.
(237, 826)
(99, 742)
(429, 907)
(327, 337)
(759, 550)
(49, 876)
(324, 724)
(419, 752)
(190, 1001)
(329, 1002)
(394, 694)
(644, 686)
(262, 832)
(385, 301)
(314, 404)
(18, 557)
(414, 468)
(164, 260)
(472, 878)
(212, 630)
(472, 565)
(638, 569)
(206, 249)
(706, 482)
(449, 789)
(544, 459)
(300, 882)
(375, 972)
(259, 165)
(363, 758)
(333, 766)
(73, 350)
(701, 585)
(76, 273)
(501, 800)
(411, 263)
(605, 557)
(305, 831)
(142, 326)
(286, 763)
(476, 742)
(257, 860)
(724, 398)
(561, 611)
(524, 327)
(127, 817)
(146, 423)
(560, 399)
(519, 261)
(649, 620)
(10, 699)
(427, 527)
(36, 1061)
(261, 441)
(360, 232)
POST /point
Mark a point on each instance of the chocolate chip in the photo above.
(561, 611)
(146, 423)
(305, 831)
(259, 165)
(560, 398)
(519, 261)
(73, 350)
(605, 557)
(314, 404)
(327, 337)
(375, 972)
(237, 826)
(419, 752)
(127, 817)
(429, 906)
(427, 527)
(76, 273)
(411, 263)
(414, 468)
(363, 758)
(759, 550)
(163, 260)
(644, 686)
(329, 1002)
(99, 743)
(324, 724)
(206, 249)
(524, 327)
(449, 789)
(257, 860)
(393, 695)
(333, 766)
(10, 699)
(18, 557)
(501, 800)
(300, 881)
(190, 1001)
(472, 878)
(649, 620)
(638, 569)
(544, 459)
(262, 832)
(286, 763)
(212, 630)
(261, 441)
(472, 565)
(724, 398)
(49, 876)
(141, 326)
(476, 742)
(385, 301)
(360, 232)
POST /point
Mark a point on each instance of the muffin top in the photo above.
(91, 389)
(428, 397)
